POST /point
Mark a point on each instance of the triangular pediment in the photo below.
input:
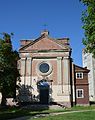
(44, 43)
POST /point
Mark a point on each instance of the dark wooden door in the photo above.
(44, 96)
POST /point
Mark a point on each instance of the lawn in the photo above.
(70, 116)
(19, 112)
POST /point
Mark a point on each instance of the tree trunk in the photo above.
(3, 101)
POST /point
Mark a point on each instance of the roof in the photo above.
(80, 69)
(51, 43)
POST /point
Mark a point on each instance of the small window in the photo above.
(79, 75)
(44, 67)
(85, 58)
(80, 93)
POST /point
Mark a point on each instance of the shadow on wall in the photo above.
(24, 94)
(26, 99)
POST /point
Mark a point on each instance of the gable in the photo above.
(44, 43)
(80, 69)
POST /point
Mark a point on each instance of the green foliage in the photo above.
(88, 19)
(8, 66)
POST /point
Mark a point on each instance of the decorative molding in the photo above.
(29, 58)
(66, 57)
(22, 59)
(59, 58)
(47, 73)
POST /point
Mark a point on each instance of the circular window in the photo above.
(44, 68)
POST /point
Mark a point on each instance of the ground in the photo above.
(75, 113)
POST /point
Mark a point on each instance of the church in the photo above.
(48, 74)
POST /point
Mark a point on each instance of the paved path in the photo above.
(59, 113)
(50, 114)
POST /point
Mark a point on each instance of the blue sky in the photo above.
(26, 19)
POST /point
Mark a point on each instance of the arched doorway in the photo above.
(43, 88)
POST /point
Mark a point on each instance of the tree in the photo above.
(8, 68)
(88, 19)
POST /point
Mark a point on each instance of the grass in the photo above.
(70, 116)
(19, 112)
(75, 108)
(15, 113)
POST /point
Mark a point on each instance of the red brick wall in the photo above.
(52, 76)
(45, 44)
(84, 100)
(82, 84)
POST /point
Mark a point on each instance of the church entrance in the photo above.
(43, 87)
(44, 96)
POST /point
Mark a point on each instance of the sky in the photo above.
(27, 18)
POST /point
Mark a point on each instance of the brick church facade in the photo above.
(48, 74)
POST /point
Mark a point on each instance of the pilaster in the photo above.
(29, 71)
(23, 60)
(66, 70)
(59, 75)
(66, 77)
(29, 66)
(59, 70)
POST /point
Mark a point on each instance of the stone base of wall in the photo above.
(63, 104)
(43, 107)
(82, 104)
(92, 98)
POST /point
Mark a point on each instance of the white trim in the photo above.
(79, 75)
(59, 70)
(77, 93)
